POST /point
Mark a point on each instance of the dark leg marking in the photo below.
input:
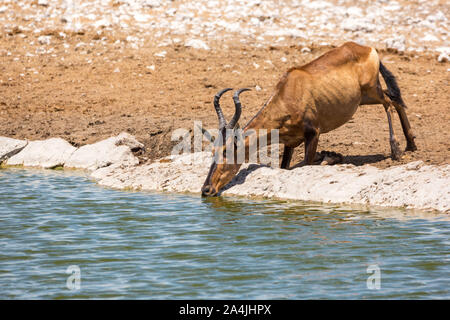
(410, 144)
(287, 156)
(311, 141)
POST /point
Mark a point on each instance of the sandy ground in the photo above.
(84, 79)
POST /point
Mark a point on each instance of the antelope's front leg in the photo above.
(396, 153)
(287, 156)
(311, 140)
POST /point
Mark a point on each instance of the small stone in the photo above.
(44, 40)
(305, 50)
(161, 54)
(443, 57)
(396, 43)
(43, 3)
(196, 44)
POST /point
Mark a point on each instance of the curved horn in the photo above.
(222, 121)
(238, 106)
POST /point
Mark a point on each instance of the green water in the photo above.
(155, 246)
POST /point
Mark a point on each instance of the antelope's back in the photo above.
(348, 54)
(336, 79)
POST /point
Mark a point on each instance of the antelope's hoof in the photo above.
(396, 153)
(411, 147)
(329, 158)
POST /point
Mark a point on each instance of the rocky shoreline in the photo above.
(111, 163)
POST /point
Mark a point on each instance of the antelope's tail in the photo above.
(393, 91)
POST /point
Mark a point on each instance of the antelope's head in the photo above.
(223, 167)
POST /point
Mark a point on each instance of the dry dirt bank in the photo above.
(82, 99)
(90, 70)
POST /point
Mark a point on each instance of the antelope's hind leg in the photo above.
(396, 153)
(410, 144)
(375, 95)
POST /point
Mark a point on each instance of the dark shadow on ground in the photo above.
(337, 158)
(362, 160)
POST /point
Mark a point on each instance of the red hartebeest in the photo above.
(313, 99)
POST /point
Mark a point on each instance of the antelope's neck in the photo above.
(263, 119)
(260, 127)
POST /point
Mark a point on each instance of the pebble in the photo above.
(305, 50)
(443, 57)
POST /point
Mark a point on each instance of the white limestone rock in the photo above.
(413, 185)
(43, 3)
(196, 44)
(9, 147)
(44, 40)
(397, 43)
(48, 153)
(182, 173)
(114, 150)
(351, 24)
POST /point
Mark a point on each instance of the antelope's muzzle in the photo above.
(209, 191)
